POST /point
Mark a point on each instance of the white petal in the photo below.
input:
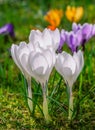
(32, 35)
(47, 38)
(36, 38)
(69, 62)
(24, 63)
(14, 49)
(23, 48)
(49, 56)
(78, 57)
(31, 47)
(59, 63)
(67, 74)
(55, 38)
(38, 61)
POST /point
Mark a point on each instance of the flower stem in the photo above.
(30, 103)
(45, 103)
(70, 100)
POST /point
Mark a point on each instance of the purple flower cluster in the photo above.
(79, 35)
(8, 29)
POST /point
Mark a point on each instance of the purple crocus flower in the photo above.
(79, 35)
(8, 29)
(87, 32)
(62, 40)
(73, 40)
(85, 28)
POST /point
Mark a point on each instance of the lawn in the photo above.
(14, 110)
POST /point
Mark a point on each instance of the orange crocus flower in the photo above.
(74, 14)
(54, 18)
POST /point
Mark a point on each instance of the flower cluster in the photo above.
(54, 16)
(37, 59)
(79, 35)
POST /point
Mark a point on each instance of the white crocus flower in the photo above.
(20, 54)
(37, 59)
(41, 65)
(70, 67)
(46, 39)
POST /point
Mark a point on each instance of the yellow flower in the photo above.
(74, 14)
(54, 18)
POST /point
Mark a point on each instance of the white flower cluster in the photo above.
(37, 58)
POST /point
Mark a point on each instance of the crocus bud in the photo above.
(8, 29)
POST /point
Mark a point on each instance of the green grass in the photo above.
(14, 112)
